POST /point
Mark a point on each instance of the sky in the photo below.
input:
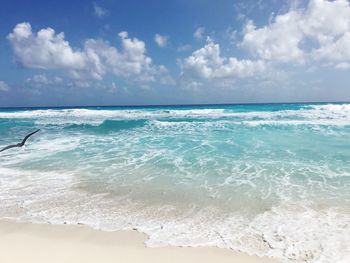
(136, 52)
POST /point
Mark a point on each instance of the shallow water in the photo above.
(269, 179)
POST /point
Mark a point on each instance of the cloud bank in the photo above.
(318, 33)
(311, 36)
(207, 63)
(48, 50)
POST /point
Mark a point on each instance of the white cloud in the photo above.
(130, 62)
(48, 50)
(278, 41)
(161, 41)
(335, 52)
(199, 33)
(319, 32)
(343, 65)
(42, 79)
(185, 47)
(99, 11)
(4, 86)
(207, 64)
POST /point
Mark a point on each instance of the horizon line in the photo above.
(171, 105)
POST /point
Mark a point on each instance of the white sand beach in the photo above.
(26, 242)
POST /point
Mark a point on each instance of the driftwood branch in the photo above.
(21, 143)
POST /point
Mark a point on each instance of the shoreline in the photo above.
(31, 242)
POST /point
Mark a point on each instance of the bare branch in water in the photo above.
(21, 143)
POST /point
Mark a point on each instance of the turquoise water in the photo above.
(269, 179)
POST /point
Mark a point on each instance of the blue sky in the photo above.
(173, 52)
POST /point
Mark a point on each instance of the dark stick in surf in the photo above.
(19, 144)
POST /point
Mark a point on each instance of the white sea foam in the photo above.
(40, 150)
(332, 114)
(290, 232)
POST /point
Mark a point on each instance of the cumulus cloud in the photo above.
(278, 41)
(45, 50)
(99, 11)
(199, 33)
(320, 32)
(207, 64)
(129, 62)
(4, 86)
(161, 41)
(48, 50)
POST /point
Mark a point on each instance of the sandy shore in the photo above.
(24, 242)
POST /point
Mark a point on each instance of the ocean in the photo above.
(266, 179)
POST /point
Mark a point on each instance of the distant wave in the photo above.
(332, 114)
(108, 125)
